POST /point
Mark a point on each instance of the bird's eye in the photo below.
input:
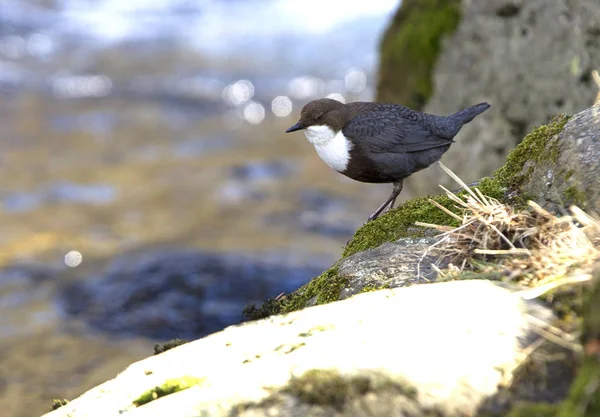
(319, 116)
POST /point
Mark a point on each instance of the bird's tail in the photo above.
(466, 115)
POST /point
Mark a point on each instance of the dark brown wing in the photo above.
(393, 130)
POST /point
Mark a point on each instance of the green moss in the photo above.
(57, 403)
(533, 410)
(374, 287)
(269, 308)
(169, 387)
(169, 345)
(536, 147)
(396, 223)
(330, 388)
(591, 312)
(324, 289)
(574, 195)
(583, 399)
(569, 174)
(567, 303)
(584, 396)
(410, 49)
(400, 222)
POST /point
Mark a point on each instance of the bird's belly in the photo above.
(389, 167)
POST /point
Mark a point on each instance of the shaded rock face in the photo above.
(391, 265)
(183, 294)
(529, 59)
(573, 176)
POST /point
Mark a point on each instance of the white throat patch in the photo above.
(333, 148)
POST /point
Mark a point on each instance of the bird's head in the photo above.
(322, 112)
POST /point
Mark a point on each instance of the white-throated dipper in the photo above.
(379, 142)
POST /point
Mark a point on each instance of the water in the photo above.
(133, 130)
(277, 41)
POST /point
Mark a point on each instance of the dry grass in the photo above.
(531, 247)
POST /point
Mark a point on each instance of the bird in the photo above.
(379, 142)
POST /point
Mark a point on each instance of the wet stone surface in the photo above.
(178, 294)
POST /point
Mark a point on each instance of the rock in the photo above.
(178, 294)
(529, 59)
(571, 175)
(450, 348)
(391, 265)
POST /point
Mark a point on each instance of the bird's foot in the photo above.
(377, 214)
(372, 217)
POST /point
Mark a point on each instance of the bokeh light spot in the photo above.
(254, 113)
(305, 87)
(337, 96)
(355, 80)
(281, 106)
(12, 47)
(239, 92)
(39, 44)
(73, 259)
(82, 86)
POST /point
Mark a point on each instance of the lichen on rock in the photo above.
(168, 387)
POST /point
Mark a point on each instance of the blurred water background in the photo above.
(147, 136)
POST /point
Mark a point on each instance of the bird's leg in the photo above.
(389, 202)
(397, 186)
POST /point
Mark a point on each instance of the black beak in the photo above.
(297, 126)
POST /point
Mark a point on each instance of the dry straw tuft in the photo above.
(532, 247)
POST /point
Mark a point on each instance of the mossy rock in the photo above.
(58, 402)
(410, 49)
(320, 290)
(158, 349)
(328, 388)
(541, 145)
